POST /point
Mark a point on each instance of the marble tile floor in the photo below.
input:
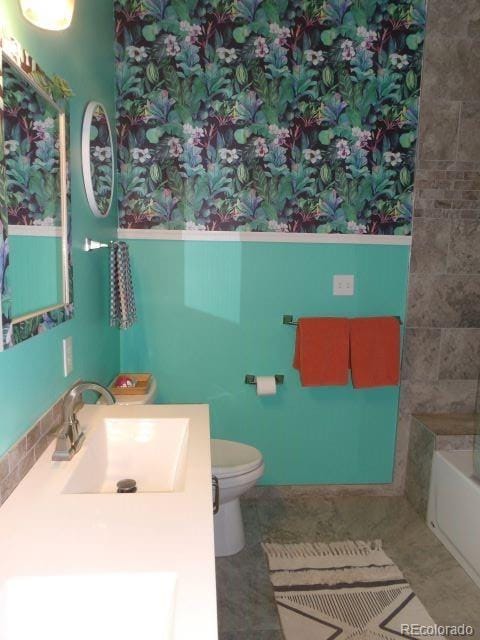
(246, 609)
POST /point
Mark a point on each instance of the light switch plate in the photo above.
(67, 356)
(343, 285)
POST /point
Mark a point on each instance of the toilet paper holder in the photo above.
(249, 379)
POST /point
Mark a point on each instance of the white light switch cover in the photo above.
(67, 356)
(343, 285)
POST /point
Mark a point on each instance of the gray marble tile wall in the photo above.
(424, 440)
(442, 340)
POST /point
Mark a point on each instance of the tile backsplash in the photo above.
(21, 457)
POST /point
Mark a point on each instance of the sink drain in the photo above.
(126, 486)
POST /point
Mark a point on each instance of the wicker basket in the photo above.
(141, 387)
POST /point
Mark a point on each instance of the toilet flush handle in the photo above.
(216, 499)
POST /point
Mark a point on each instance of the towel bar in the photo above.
(290, 321)
(249, 379)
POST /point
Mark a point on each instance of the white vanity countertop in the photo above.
(45, 532)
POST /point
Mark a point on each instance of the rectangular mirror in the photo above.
(35, 262)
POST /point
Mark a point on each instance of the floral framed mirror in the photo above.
(97, 159)
(35, 251)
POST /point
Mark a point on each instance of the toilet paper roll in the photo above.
(266, 386)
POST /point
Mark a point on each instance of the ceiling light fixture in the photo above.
(54, 15)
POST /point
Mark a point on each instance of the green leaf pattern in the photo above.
(32, 160)
(268, 115)
(101, 159)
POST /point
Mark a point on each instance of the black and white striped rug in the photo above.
(343, 590)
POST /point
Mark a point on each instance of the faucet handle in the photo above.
(76, 436)
(73, 426)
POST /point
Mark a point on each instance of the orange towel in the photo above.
(375, 352)
(322, 351)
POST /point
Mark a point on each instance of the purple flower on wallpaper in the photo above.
(266, 116)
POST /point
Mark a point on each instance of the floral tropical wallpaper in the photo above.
(29, 174)
(268, 115)
(101, 160)
(32, 159)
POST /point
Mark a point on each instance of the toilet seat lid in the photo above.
(233, 458)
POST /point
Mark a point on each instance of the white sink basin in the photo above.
(151, 451)
(80, 562)
(121, 606)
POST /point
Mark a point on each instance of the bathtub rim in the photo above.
(460, 461)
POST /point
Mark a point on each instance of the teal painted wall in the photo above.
(210, 312)
(31, 375)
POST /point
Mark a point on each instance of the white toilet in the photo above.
(238, 467)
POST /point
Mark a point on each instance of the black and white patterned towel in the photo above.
(123, 312)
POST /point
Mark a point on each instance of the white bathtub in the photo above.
(454, 508)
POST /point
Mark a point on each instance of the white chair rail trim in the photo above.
(257, 236)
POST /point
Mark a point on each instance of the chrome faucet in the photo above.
(70, 438)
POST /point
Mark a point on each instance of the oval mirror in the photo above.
(97, 159)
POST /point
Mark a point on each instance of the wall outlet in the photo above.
(343, 285)
(67, 356)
